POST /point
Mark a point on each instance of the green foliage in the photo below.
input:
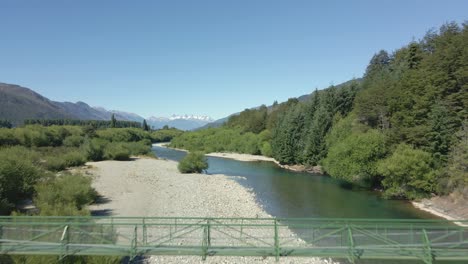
(18, 174)
(355, 157)
(408, 173)
(8, 138)
(116, 151)
(73, 141)
(145, 126)
(79, 122)
(220, 139)
(113, 122)
(194, 162)
(455, 178)
(249, 120)
(416, 96)
(5, 124)
(287, 142)
(123, 134)
(66, 194)
(94, 149)
(266, 149)
(165, 134)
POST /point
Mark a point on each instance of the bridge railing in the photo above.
(353, 239)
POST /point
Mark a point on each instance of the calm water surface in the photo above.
(285, 193)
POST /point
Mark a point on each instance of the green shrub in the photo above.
(18, 175)
(54, 163)
(66, 194)
(7, 137)
(94, 149)
(408, 173)
(194, 162)
(123, 134)
(73, 141)
(266, 149)
(138, 148)
(74, 158)
(116, 151)
(354, 157)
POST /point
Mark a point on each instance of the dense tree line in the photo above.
(401, 128)
(113, 123)
(5, 123)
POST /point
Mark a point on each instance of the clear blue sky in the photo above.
(201, 57)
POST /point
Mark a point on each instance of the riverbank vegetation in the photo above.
(33, 167)
(34, 159)
(193, 162)
(401, 128)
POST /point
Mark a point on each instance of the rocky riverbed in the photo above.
(151, 187)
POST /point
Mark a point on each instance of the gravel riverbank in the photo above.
(152, 187)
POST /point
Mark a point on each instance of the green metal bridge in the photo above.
(352, 239)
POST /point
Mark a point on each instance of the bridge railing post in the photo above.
(277, 246)
(428, 256)
(206, 241)
(351, 256)
(64, 241)
(134, 244)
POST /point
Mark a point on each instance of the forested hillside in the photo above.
(402, 128)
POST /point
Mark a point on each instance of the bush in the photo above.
(408, 173)
(194, 162)
(60, 158)
(138, 148)
(73, 141)
(7, 137)
(116, 151)
(354, 158)
(18, 175)
(54, 163)
(74, 158)
(94, 149)
(266, 149)
(65, 195)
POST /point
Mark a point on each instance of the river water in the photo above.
(284, 193)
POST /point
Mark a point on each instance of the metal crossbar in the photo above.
(352, 239)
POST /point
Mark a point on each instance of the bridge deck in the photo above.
(425, 240)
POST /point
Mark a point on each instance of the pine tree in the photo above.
(145, 125)
(113, 121)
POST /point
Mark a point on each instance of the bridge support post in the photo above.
(206, 242)
(351, 256)
(145, 234)
(428, 255)
(277, 248)
(134, 244)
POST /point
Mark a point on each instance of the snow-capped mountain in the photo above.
(191, 117)
(184, 122)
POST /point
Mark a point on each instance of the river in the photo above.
(284, 193)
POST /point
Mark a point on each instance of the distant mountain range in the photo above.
(19, 103)
(184, 122)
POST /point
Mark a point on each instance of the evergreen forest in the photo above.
(401, 128)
